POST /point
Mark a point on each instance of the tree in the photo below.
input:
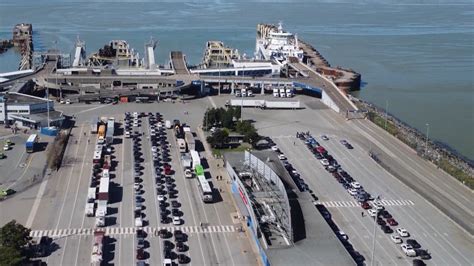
(218, 139)
(14, 235)
(14, 238)
(11, 256)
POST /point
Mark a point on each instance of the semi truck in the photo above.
(110, 130)
(196, 160)
(189, 138)
(94, 124)
(90, 209)
(107, 162)
(181, 145)
(101, 134)
(31, 143)
(97, 248)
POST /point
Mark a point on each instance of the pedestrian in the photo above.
(88, 141)
(362, 214)
(294, 143)
(84, 134)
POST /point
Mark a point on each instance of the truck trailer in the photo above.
(97, 248)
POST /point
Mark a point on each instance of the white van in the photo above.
(168, 124)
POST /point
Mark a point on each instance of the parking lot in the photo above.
(447, 243)
(58, 204)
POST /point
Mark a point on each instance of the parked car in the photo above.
(424, 255)
(396, 239)
(392, 222)
(408, 250)
(402, 232)
(324, 137)
(324, 162)
(413, 243)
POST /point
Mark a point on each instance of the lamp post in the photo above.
(427, 136)
(374, 234)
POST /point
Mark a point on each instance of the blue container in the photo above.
(49, 131)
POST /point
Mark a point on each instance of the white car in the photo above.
(352, 191)
(127, 134)
(281, 157)
(372, 212)
(160, 124)
(356, 185)
(6, 147)
(160, 197)
(342, 235)
(275, 148)
(324, 162)
(138, 222)
(324, 137)
(378, 206)
(176, 220)
(408, 250)
(167, 262)
(137, 186)
(396, 239)
(135, 123)
(154, 148)
(402, 232)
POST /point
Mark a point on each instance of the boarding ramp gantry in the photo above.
(178, 62)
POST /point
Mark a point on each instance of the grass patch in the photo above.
(457, 173)
(241, 148)
(383, 123)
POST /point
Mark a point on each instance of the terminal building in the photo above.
(25, 110)
(284, 224)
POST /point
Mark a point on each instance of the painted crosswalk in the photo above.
(131, 230)
(342, 204)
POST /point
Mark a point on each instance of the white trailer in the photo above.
(189, 138)
(91, 195)
(282, 105)
(247, 103)
(186, 160)
(195, 158)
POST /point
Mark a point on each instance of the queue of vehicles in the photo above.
(375, 208)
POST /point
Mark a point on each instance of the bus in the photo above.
(203, 184)
(31, 143)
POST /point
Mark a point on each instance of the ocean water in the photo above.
(416, 57)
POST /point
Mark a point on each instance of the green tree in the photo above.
(219, 139)
(11, 256)
(14, 235)
(14, 238)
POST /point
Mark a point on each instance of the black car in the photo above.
(175, 204)
(413, 243)
(385, 214)
(179, 236)
(175, 212)
(141, 233)
(417, 262)
(167, 245)
(183, 259)
(163, 233)
(181, 247)
(349, 146)
(424, 255)
(386, 229)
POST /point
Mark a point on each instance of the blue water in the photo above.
(415, 55)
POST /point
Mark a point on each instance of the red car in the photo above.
(320, 149)
(365, 205)
(392, 221)
(167, 169)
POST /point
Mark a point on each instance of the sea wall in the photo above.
(438, 153)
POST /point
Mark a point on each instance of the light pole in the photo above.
(427, 136)
(374, 234)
